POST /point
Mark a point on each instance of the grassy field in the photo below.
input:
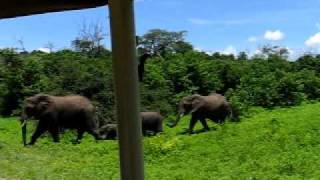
(277, 144)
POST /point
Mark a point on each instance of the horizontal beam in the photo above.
(15, 8)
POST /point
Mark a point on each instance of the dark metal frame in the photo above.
(124, 65)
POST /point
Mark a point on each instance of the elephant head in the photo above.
(34, 106)
(188, 105)
(108, 131)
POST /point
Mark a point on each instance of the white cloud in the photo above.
(314, 40)
(45, 50)
(255, 52)
(274, 35)
(253, 39)
(198, 49)
(229, 50)
(290, 51)
(293, 54)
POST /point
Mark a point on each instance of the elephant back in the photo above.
(152, 122)
(219, 107)
(216, 99)
(73, 102)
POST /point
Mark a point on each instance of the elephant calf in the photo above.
(59, 112)
(108, 131)
(151, 123)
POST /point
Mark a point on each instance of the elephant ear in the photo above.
(42, 106)
(44, 102)
(197, 103)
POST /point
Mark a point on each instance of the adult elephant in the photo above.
(57, 112)
(151, 122)
(213, 106)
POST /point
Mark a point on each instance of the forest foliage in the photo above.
(175, 70)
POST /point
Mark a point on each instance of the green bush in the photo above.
(260, 81)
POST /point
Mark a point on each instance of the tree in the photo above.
(242, 56)
(158, 41)
(21, 44)
(308, 62)
(50, 46)
(11, 80)
(279, 51)
(90, 40)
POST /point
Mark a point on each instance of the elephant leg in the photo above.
(95, 134)
(193, 122)
(54, 131)
(80, 133)
(204, 124)
(144, 132)
(160, 127)
(41, 128)
(91, 126)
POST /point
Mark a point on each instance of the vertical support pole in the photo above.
(126, 88)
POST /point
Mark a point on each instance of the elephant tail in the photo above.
(233, 115)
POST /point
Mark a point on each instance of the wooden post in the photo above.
(126, 88)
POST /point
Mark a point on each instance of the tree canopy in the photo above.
(268, 81)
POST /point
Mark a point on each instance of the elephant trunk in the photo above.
(23, 121)
(104, 137)
(177, 120)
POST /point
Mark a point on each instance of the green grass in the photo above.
(277, 144)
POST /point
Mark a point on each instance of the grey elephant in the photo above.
(151, 122)
(108, 131)
(59, 112)
(214, 107)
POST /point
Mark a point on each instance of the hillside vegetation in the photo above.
(272, 144)
(173, 71)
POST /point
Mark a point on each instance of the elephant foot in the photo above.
(184, 132)
(29, 144)
(99, 138)
(170, 125)
(202, 130)
(206, 129)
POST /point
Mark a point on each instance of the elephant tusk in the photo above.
(24, 123)
(24, 131)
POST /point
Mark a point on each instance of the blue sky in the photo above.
(212, 25)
